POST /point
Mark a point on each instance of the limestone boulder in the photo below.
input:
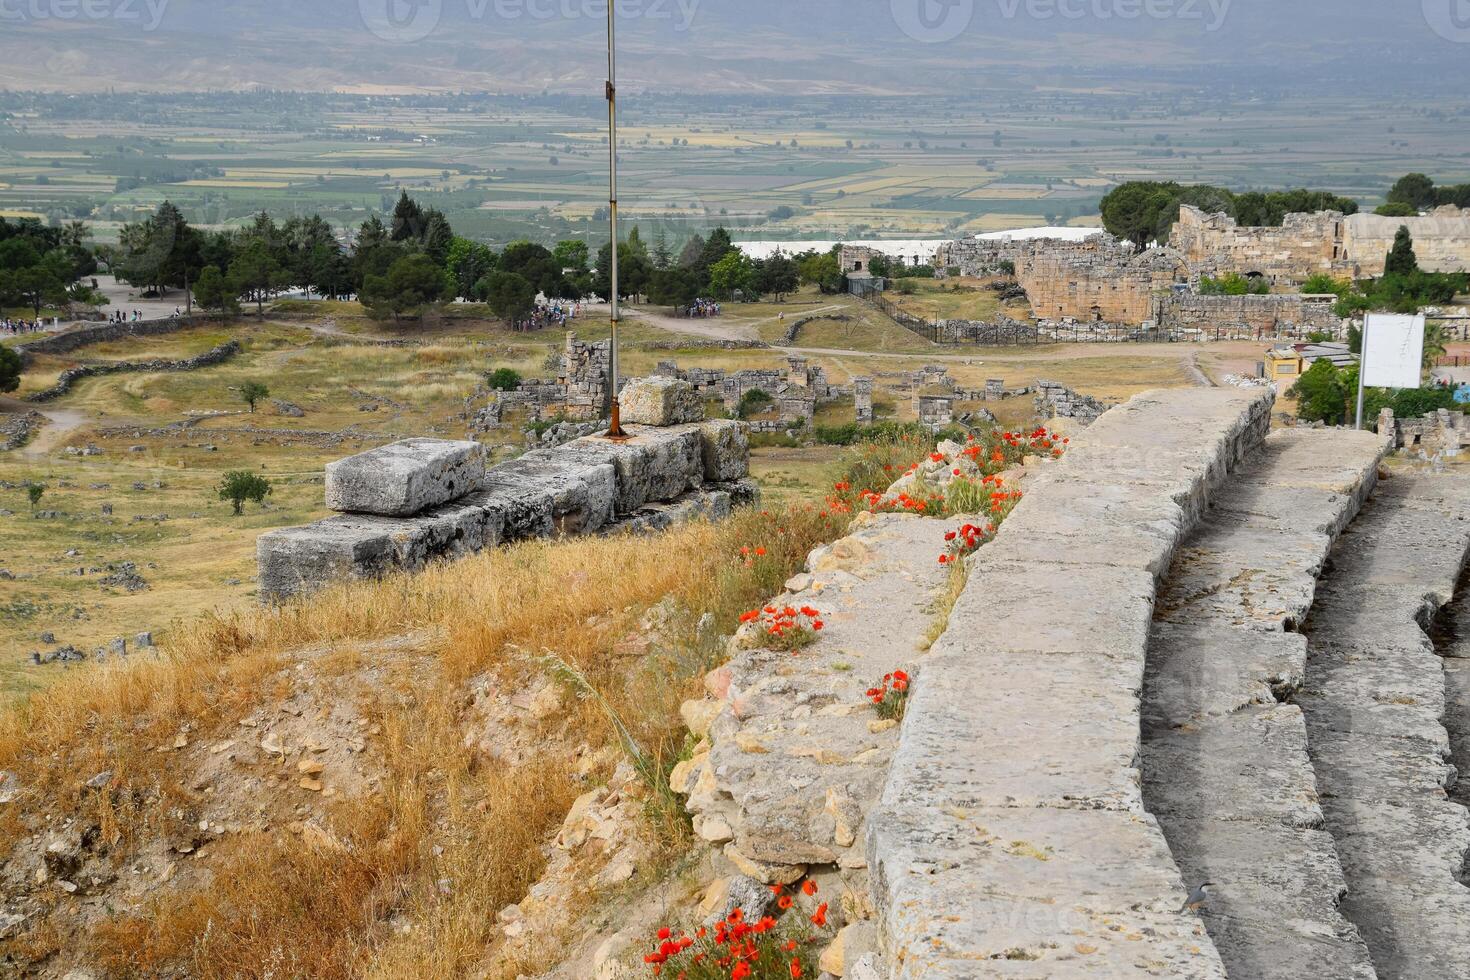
(404, 478)
(660, 401)
(725, 446)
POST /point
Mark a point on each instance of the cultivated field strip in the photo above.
(1011, 839)
(1225, 763)
(1375, 707)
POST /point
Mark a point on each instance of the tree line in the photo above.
(1145, 211)
(1417, 192)
(44, 267)
(408, 264)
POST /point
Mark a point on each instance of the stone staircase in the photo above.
(1226, 766)
(1195, 653)
(1375, 706)
(1011, 839)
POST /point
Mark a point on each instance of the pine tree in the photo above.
(662, 257)
(408, 219)
(1402, 260)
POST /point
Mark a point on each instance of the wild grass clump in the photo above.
(405, 879)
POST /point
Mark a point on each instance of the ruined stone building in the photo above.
(1326, 242)
(1441, 240)
(1305, 244)
(1101, 280)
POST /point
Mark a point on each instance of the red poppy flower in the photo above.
(809, 887)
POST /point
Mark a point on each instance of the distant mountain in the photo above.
(732, 46)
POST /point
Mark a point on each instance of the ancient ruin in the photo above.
(1351, 246)
(404, 505)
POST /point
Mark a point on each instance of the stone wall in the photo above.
(974, 257)
(16, 429)
(1286, 315)
(425, 500)
(1304, 245)
(1101, 280)
(862, 399)
(100, 333)
(1055, 400)
(1441, 240)
(67, 378)
(1439, 433)
(1325, 242)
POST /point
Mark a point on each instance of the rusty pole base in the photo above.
(615, 431)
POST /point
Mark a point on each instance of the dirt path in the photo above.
(61, 422)
(714, 329)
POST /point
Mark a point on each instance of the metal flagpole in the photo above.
(1362, 367)
(615, 429)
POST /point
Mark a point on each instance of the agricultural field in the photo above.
(510, 168)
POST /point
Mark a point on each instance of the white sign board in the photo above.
(1393, 350)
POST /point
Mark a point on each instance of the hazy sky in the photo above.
(880, 46)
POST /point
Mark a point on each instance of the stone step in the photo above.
(1374, 704)
(1454, 646)
(1011, 839)
(1226, 769)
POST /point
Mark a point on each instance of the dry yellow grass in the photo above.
(335, 901)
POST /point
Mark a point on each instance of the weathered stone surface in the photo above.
(795, 762)
(654, 464)
(582, 496)
(1373, 699)
(1017, 900)
(1013, 794)
(297, 560)
(725, 444)
(1226, 768)
(404, 478)
(660, 401)
(709, 504)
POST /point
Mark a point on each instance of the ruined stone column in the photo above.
(862, 398)
(796, 372)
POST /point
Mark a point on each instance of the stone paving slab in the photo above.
(947, 893)
(1269, 918)
(1374, 701)
(1247, 766)
(1019, 908)
(1198, 670)
(1078, 758)
(1244, 576)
